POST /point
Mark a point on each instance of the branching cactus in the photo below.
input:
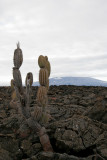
(24, 97)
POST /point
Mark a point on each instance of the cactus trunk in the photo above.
(41, 132)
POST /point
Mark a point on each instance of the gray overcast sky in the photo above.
(72, 33)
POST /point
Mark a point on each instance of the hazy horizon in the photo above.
(55, 78)
(72, 33)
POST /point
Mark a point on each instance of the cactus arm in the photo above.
(28, 91)
(27, 100)
(19, 105)
(28, 82)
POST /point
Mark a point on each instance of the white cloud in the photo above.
(72, 33)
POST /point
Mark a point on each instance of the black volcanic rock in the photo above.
(77, 128)
(99, 110)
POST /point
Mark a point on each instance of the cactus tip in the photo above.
(18, 45)
(46, 58)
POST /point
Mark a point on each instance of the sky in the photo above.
(72, 33)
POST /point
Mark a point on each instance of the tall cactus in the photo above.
(42, 98)
(24, 97)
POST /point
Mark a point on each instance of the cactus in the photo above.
(44, 63)
(18, 57)
(29, 79)
(28, 82)
(24, 98)
(42, 96)
(41, 61)
(37, 113)
(14, 97)
(12, 84)
(17, 77)
(47, 85)
(43, 77)
(47, 66)
(40, 116)
(46, 58)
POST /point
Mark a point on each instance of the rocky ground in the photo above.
(77, 130)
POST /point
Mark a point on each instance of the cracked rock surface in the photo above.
(77, 128)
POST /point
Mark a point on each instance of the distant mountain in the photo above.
(78, 81)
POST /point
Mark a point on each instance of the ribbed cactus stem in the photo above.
(41, 61)
(17, 77)
(29, 79)
(48, 67)
(43, 77)
(37, 113)
(12, 84)
(42, 98)
(14, 97)
(47, 85)
(18, 57)
(28, 82)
